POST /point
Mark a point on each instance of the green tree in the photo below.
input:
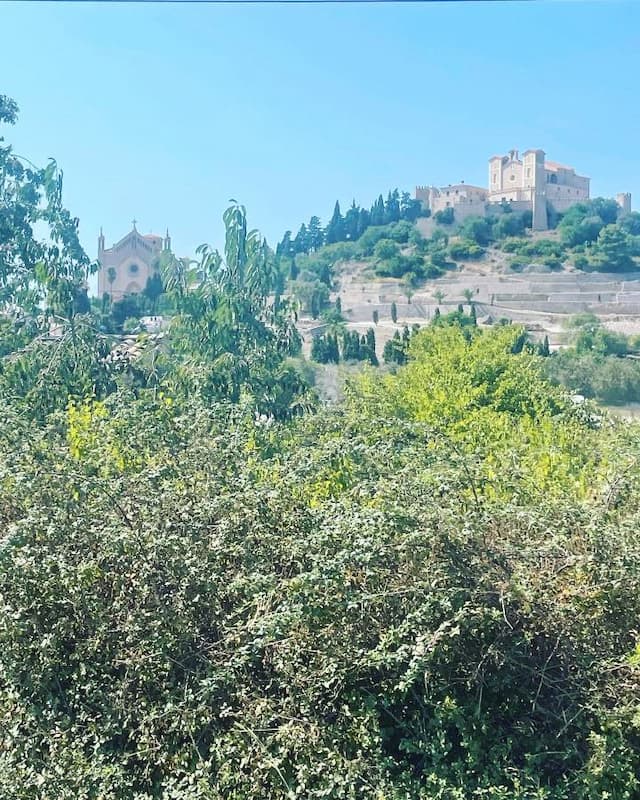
(477, 229)
(439, 296)
(335, 229)
(444, 217)
(394, 312)
(315, 234)
(153, 290)
(613, 250)
(392, 207)
(375, 316)
(386, 249)
(51, 270)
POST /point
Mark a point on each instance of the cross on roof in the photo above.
(134, 223)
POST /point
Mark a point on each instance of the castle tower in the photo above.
(100, 244)
(167, 241)
(624, 201)
(533, 165)
(495, 174)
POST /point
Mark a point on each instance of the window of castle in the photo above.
(133, 269)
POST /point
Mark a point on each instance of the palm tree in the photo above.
(111, 277)
(439, 296)
(468, 296)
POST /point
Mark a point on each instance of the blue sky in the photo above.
(165, 112)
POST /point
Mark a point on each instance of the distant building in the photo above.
(125, 267)
(527, 183)
(466, 200)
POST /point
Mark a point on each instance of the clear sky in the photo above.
(165, 112)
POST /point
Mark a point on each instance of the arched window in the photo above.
(134, 269)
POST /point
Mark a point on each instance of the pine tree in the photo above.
(338, 305)
(293, 269)
(394, 313)
(375, 316)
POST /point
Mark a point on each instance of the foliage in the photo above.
(444, 217)
(465, 249)
(344, 345)
(430, 592)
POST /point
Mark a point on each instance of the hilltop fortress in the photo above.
(527, 183)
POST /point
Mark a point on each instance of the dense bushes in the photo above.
(430, 592)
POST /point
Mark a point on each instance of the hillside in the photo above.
(588, 264)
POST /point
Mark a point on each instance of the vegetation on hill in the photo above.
(213, 589)
(598, 364)
(593, 235)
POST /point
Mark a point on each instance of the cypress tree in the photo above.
(335, 228)
(394, 312)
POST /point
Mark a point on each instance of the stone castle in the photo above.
(527, 183)
(126, 266)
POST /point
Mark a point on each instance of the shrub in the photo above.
(444, 217)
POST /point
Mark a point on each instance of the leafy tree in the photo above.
(444, 217)
(410, 209)
(465, 249)
(612, 250)
(52, 269)
(386, 249)
(477, 229)
(630, 223)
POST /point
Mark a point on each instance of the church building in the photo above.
(526, 183)
(125, 267)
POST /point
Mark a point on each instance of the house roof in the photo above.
(553, 166)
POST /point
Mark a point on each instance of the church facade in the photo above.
(126, 266)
